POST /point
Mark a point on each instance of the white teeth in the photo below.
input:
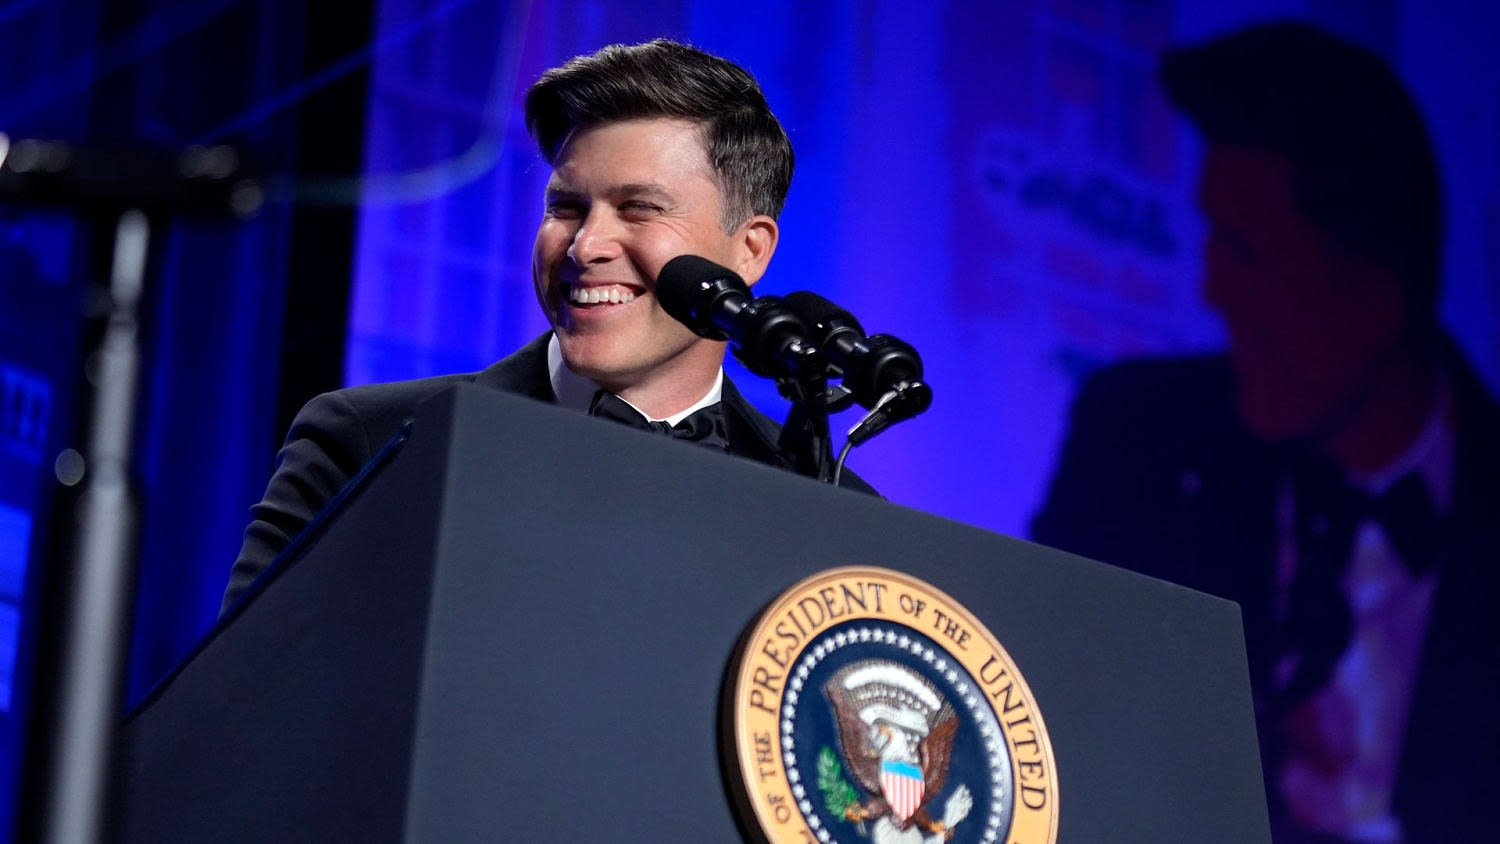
(613, 294)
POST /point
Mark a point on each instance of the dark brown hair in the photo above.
(1365, 171)
(748, 150)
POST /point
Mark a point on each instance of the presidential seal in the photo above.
(867, 706)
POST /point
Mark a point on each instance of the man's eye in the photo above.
(637, 208)
(565, 210)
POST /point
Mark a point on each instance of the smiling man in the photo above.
(657, 150)
(624, 199)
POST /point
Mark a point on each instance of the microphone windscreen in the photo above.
(688, 286)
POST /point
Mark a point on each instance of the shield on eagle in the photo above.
(902, 785)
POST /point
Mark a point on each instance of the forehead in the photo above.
(661, 151)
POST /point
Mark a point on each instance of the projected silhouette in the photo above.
(1337, 471)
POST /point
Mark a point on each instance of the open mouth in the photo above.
(601, 295)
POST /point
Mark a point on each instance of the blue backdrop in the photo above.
(1000, 183)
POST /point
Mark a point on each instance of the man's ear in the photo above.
(757, 242)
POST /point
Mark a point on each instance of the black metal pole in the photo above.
(79, 688)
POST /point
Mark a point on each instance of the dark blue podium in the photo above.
(519, 628)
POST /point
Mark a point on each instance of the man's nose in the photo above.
(597, 239)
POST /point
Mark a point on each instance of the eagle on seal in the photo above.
(896, 734)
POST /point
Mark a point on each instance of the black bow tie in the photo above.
(1329, 512)
(704, 426)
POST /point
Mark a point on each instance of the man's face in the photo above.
(1309, 325)
(625, 198)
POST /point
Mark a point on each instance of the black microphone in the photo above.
(872, 366)
(715, 303)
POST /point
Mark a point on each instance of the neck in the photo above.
(1388, 415)
(675, 387)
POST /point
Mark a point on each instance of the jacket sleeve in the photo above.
(1106, 500)
(1152, 460)
(1077, 496)
(326, 446)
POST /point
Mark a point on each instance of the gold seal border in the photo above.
(852, 593)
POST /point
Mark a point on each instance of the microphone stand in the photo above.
(805, 434)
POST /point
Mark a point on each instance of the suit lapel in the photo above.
(1452, 732)
(751, 434)
(523, 372)
(1234, 540)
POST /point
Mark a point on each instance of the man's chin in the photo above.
(1270, 417)
(590, 367)
(598, 362)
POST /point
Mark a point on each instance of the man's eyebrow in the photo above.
(639, 189)
(556, 192)
(616, 193)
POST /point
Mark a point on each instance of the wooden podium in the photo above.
(519, 628)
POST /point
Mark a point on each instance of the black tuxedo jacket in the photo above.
(1159, 476)
(337, 433)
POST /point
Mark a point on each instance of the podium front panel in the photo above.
(542, 607)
